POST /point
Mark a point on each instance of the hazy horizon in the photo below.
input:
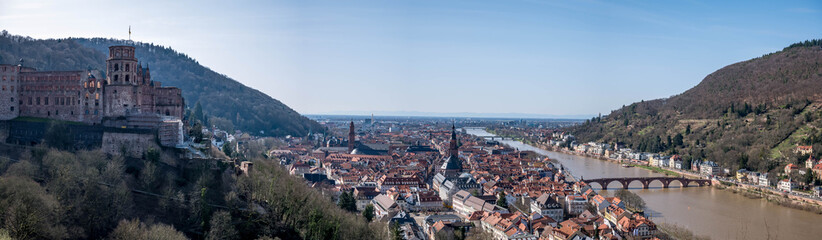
(541, 58)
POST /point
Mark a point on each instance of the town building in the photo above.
(548, 206)
(709, 168)
(763, 180)
(786, 185)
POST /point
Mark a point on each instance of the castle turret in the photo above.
(121, 93)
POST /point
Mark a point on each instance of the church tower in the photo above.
(453, 149)
(452, 165)
(351, 137)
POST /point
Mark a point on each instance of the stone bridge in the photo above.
(646, 181)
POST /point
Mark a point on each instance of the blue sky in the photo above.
(534, 57)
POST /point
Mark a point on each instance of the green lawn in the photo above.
(658, 170)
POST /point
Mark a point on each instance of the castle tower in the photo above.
(351, 137)
(9, 105)
(121, 93)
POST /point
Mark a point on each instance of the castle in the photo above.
(125, 98)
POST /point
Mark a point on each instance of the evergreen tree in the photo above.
(368, 213)
(501, 201)
(347, 202)
(396, 233)
(197, 114)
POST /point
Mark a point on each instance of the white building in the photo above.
(575, 204)
(546, 205)
(786, 185)
(709, 168)
(763, 180)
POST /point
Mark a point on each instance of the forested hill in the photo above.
(750, 114)
(225, 102)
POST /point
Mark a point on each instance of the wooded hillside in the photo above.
(750, 114)
(225, 102)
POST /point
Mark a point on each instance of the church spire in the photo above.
(453, 149)
(351, 137)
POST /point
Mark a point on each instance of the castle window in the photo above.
(95, 112)
(116, 78)
(128, 68)
(167, 113)
(71, 113)
(127, 78)
(29, 100)
(12, 109)
(47, 101)
(12, 99)
(116, 67)
(56, 112)
(38, 100)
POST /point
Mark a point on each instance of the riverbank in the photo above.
(753, 192)
(707, 211)
(781, 199)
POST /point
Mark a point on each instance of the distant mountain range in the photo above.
(456, 114)
(225, 101)
(750, 114)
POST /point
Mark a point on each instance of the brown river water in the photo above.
(715, 213)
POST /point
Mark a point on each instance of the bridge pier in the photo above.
(645, 184)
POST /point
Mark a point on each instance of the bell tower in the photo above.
(351, 137)
(453, 149)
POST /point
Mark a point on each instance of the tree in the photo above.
(134, 229)
(632, 200)
(678, 140)
(501, 201)
(368, 213)
(396, 233)
(221, 227)
(197, 114)
(347, 202)
(28, 212)
(227, 149)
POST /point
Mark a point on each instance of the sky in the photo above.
(518, 57)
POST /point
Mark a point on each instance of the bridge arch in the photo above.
(601, 185)
(628, 182)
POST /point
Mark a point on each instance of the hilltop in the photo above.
(226, 102)
(750, 114)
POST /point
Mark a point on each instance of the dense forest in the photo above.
(225, 102)
(53, 194)
(749, 115)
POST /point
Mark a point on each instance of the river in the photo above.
(706, 211)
